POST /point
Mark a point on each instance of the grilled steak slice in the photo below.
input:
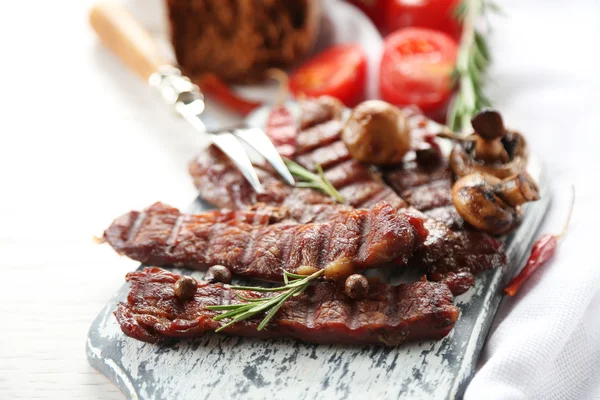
(389, 315)
(220, 183)
(354, 241)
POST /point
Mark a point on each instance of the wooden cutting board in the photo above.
(219, 367)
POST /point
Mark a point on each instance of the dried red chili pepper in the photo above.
(215, 87)
(281, 127)
(542, 251)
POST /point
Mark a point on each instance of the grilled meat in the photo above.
(220, 183)
(450, 247)
(452, 253)
(354, 241)
(389, 315)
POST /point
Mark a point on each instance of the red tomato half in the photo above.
(416, 68)
(339, 71)
(433, 14)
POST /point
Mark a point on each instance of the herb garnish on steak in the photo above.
(388, 315)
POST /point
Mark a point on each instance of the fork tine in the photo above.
(228, 143)
(260, 142)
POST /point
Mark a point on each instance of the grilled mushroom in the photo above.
(490, 204)
(377, 133)
(495, 151)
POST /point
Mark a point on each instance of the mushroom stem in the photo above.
(490, 151)
(490, 130)
(518, 189)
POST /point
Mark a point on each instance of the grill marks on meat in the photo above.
(389, 315)
(360, 187)
(320, 110)
(451, 252)
(355, 240)
(449, 248)
(424, 188)
(220, 183)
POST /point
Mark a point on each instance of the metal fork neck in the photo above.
(178, 91)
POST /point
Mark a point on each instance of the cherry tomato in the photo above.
(374, 9)
(433, 14)
(416, 68)
(339, 71)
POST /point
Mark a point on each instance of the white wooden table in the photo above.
(92, 146)
(82, 142)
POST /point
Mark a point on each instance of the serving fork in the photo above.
(129, 41)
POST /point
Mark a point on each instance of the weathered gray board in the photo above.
(219, 367)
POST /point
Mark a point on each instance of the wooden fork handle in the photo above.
(126, 38)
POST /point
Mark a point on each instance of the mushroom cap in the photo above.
(518, 189)
(462, 163)
(377, 133)
(474, 199)
(488, 124)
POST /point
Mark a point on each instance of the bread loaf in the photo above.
(239, 39)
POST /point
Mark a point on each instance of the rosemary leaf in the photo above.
(293, 276)
(270, 305)
(234, 312)
(309, 185)
(472, 61)
(260, 288)
(248, 299)
(274, 310)
(225, 307)
(482, 45)
(312, 180)
(460, 11)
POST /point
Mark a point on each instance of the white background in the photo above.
(82, 141)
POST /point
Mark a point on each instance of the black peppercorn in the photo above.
(185, 288)
(357, 286)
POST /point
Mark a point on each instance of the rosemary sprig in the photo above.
(294, 286)
(472, 62)
(312, 180)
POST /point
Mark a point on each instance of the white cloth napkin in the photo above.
(545, 342)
